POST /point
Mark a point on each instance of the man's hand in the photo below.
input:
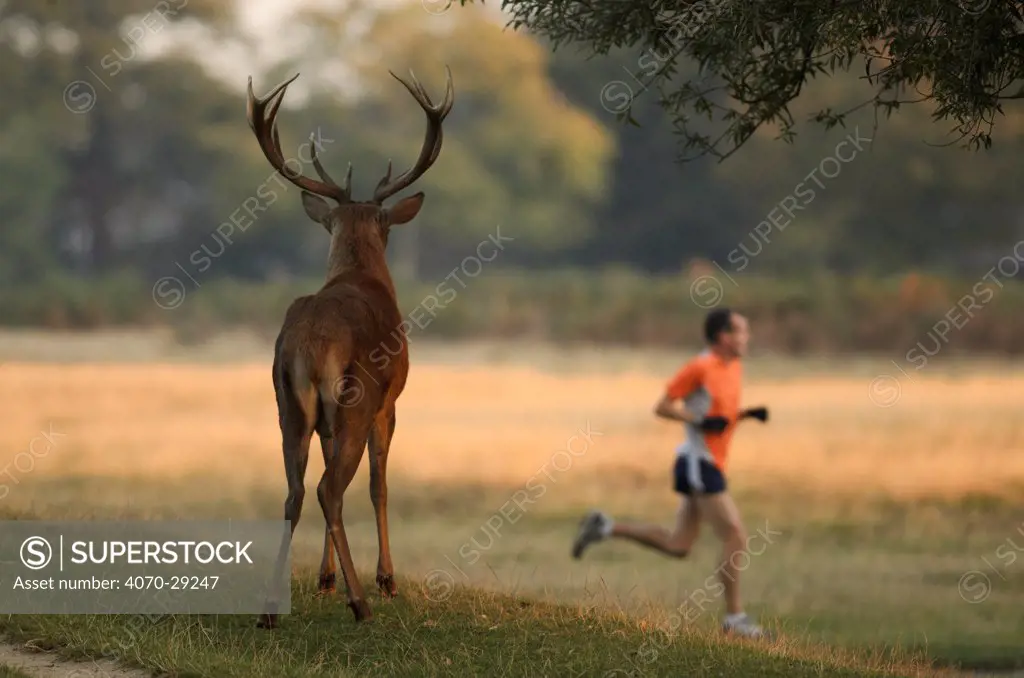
(759, 413)
(713, 424)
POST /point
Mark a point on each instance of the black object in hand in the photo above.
(713, 424)
(759, 413)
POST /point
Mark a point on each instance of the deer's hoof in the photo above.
(267, 621)
(327, 584)
(386, 584)
(361, 610)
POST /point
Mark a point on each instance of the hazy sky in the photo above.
(264, 19)
(267, 20)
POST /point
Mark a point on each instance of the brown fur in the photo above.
(341, 358)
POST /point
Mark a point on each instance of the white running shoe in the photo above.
(743, 626)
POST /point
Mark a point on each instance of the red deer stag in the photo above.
(327, 340)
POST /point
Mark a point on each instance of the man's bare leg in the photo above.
(720, 510)
(676, 543)
(597, 526)
(724, 517)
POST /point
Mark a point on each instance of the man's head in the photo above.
(727, 332)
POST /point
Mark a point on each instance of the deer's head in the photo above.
(359, 230)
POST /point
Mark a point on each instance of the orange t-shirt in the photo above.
(710, 386)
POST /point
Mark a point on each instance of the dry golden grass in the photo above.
(501, 424)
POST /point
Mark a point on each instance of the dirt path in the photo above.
(49, 665)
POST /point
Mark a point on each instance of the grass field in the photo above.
(888, 531)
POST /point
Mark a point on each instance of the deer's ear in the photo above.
(317, 209)
(406, 209)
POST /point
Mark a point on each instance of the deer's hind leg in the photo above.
(328, 576)
(350, 426)
(380, 443)
(296, 410)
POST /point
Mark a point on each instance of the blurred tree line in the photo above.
(121, 163)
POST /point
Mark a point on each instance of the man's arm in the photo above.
(684, 382)
(666, 410)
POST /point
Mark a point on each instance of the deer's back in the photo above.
(354, 317)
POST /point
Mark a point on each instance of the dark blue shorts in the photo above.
(697, 476)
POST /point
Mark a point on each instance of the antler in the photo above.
(262, 116)
(431, 143)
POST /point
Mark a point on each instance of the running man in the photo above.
(709, 386)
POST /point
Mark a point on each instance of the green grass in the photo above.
(850, 588)
(9, 672)
(472, 632)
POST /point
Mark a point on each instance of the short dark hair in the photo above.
(717, 321)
